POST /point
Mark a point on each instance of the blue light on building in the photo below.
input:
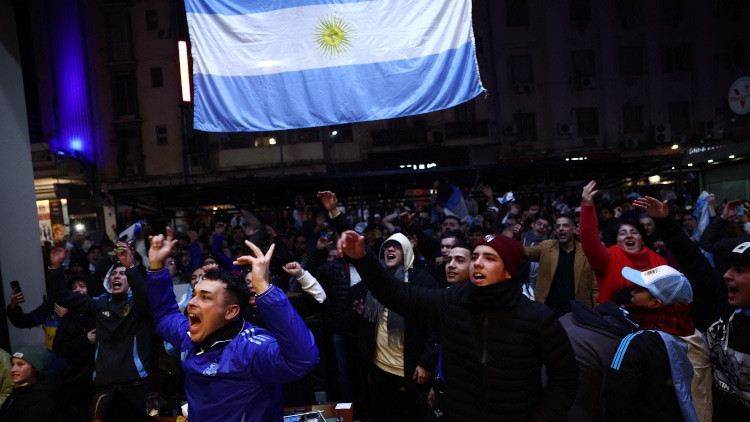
(74, 113)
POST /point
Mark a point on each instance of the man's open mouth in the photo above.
(194, 321)
(116, 284)
(478, 276)
(630, 243)
(390, 256)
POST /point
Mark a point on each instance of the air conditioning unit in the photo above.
(586, 83)
(524, 88)
(679, 138)
(565, 129)
(510, 130)
(662, 133)
(713, 129)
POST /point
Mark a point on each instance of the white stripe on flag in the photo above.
(287, 39)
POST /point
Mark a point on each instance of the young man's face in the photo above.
(79, 286)
(94, 255)
(689, 223)
(196, 275)
(540, 227)
(738, 286)
(118, 281)
(642, 297)
(565, 230)
(299, 244)
(457, 266)
(171, 266)
(450, 224)
(445, 247)
(209, 309)
(487, 267)
(21, 372)
(393, 255)
(648, 225)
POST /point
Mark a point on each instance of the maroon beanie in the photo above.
(510, 251)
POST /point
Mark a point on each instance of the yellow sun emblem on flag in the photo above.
(333, 36)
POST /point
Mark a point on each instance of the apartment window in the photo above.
(521, 69)
(631, 13)
(526, 124)
(735, 54)
(587, 120)
(124, 94)
(580, 10)
(671, 11)
(584, 63)
(161, 135)
(517, 12)
(157, 77)
(632, 118)
(676, 58)
(679, 115)
(632, 60)
(152, 20)
(119, 39)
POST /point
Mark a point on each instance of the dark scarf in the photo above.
(498, 295)
(673, 319)
(374, 311)
(221, 336)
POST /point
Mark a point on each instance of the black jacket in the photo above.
(494, 341)
(72, 343)
(123, 327)
(728, 332)
(641, 389)
(334, 277)
(33, 403)
(420, 342)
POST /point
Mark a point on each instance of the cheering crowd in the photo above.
(471, 306)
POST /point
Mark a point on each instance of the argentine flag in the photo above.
(262, 65)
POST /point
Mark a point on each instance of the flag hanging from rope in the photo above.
(261, 65)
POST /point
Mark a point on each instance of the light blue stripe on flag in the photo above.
(334, 95)
(313, 63)
(223, 7)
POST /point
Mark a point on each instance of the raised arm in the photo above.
(339, 223)
(126, 256)
(170, 323)
(424, 304)
(596, 253)
(702, 276)
(59, 292)
(294, 352)
(306, 280)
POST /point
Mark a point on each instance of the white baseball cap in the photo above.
(663, 282)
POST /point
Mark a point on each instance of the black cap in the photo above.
(740, 255)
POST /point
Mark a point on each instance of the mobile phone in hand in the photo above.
(15, 287)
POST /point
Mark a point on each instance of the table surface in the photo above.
(329, 411)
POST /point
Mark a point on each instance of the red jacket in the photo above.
(608, 262)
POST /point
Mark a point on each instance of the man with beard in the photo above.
(564, 272)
